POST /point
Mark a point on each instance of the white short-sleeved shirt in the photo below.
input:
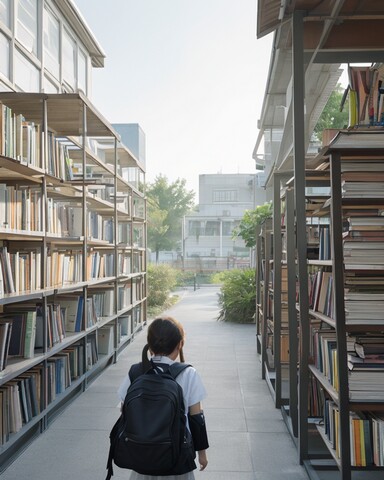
(189, 380)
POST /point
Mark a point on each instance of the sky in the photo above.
(192, 74)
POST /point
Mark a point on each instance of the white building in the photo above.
(46, 46)
(208, 243)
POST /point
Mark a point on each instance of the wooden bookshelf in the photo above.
(72, 256)
(346, 313)
(263, 304)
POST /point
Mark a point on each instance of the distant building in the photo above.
(207, 233)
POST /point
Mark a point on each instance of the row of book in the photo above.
(124, 233)
(365, 363)
(321, 292)
(64, 268)
(124, 263)
(24, 397)
(20, 208)
(366, 95)
(363, 298)
(324, 243)
(138, 262)
(363, 242)
(22, 329)
(366, 435)
(100, 265)
(59, 163)
(124, 295)
(66, 220)
(19, 139)
(124, 327)
(104, 303)
(21, 400)
(26, 142)
(366, 368)
(19, 271)
(138, 289)
(324, 351)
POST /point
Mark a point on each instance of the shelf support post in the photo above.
(298, 78)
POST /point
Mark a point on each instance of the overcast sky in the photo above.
(190, 72)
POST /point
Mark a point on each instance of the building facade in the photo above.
(208, 242)
(46, 46)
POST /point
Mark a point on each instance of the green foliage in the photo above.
(237, 296)
(161, 281)
(220, 277)
(331, 116)
(247, 226)
(167, 203)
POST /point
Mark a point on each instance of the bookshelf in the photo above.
(264, 325)
(259, 289)
(290, 407)
(72, 256)
(346, 316)
(279, 293)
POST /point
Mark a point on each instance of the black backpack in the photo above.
(151, 437)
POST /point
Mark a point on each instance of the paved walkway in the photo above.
(248, 437)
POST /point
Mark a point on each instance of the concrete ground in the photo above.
(248, 438)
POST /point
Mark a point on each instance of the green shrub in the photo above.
(220, 277)
(184, 278)
(161, 281)
(237, 296)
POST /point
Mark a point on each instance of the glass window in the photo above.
(225, 196)
(69, 60)
(26, 74)
(5, 12)
(82, 72)
(51, 44)
(49, 87)
(227, 229)
(4, 55)
(212, 228)
(5, 88)
(26, 26)
(194, 227)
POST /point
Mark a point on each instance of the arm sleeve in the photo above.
(194, 390)
(122, 391)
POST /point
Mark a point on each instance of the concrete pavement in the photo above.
(248, 438)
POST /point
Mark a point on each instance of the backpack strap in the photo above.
(112, 438)
(176, 368)
(135, 371)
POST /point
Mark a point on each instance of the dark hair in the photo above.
(164, 335)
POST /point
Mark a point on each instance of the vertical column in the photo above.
(292, 313)
(116, 251)
(338, 298)
(258, 288)
(299, 170)
(84, 198)
(276, 287)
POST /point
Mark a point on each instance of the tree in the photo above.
(167, 205)
(247, 226)
(331, 116)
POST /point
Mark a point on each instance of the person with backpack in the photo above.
(162, 423)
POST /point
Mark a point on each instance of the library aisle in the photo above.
(249, 440)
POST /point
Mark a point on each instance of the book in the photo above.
(30, 334)
(105, 340)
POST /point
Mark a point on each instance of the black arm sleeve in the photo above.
(198, 431)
